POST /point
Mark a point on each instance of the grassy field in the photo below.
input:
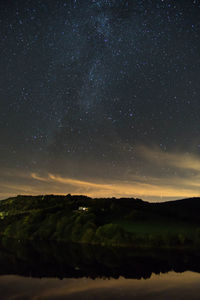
(144, 228)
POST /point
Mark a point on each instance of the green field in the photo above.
(158, 227)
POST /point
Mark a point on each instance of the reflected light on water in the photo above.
(175, 285)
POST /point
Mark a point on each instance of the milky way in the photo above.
(100, 98)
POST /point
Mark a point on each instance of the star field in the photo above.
(102, 92)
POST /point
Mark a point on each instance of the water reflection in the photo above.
(74, 261)
(165, 286)
(33, 271)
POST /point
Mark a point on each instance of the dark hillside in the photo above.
(105, 221)
(185, 209)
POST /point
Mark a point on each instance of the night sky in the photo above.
(100, 98)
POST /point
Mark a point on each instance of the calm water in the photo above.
(164, 286)
(41, 271)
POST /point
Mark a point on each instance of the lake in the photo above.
(61, 271)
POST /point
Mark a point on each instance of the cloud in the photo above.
(179, 160)
(153, 188)
(165, 176)
(169, 175)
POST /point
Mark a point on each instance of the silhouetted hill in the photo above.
(189, 203)
(188, 208)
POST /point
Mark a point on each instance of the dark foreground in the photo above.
(34, 271)
(39, 259)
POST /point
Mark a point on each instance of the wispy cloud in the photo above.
(154, 188)
(180, 160)
(166, 175)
